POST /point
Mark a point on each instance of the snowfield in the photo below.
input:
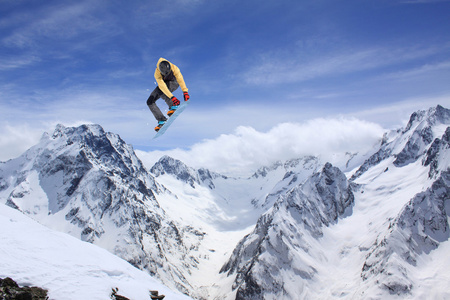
(68, 268)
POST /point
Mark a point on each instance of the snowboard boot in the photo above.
(160, 124)
(172, 110)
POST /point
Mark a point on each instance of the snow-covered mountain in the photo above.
(234, 203)
(284, 238)
(400, 213)
(422, 224)
(90, 184)
(320, 235)
(419, 228)
(363, 227)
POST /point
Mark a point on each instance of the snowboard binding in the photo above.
(160, 124)
(172, 110)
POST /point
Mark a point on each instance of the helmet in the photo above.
(164, 68)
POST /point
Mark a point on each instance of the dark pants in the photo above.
(155, 95)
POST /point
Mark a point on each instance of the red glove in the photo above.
(186, 96)
(175, 101)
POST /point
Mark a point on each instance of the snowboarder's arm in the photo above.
(179, 77)
(161, 84)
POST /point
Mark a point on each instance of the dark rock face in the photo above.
(415, 147)
(436, 153)
(10, 290)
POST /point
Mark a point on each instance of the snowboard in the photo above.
(172, 118)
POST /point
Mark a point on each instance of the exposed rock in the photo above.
(10, 290)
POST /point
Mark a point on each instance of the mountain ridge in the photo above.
(292, 224)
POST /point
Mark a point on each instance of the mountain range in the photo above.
(371, 226)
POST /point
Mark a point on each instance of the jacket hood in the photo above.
(161, 60)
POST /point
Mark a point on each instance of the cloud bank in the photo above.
(15, 140)
(247, 149)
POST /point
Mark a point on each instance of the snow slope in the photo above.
(281, 255)
(68, 268)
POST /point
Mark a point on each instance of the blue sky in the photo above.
(246, 63)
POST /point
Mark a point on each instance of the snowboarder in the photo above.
(169, 78)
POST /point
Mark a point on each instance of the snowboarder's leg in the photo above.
(151, 102)
(172, 85)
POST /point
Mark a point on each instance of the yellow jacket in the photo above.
(160, 80)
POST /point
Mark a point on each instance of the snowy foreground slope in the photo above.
(67, 267)
(372, 226)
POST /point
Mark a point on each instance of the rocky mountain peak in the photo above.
(441, 114)
(411, 144)
(335, 191)
(80, 131)
(433, 116)
(95, 146)
(421, 125)
(178, 169)
(73, 157)
(171, 166)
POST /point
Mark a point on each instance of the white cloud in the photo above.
(247, 149)
(15, 140)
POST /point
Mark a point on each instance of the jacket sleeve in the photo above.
(161, 84)
(179, 77)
